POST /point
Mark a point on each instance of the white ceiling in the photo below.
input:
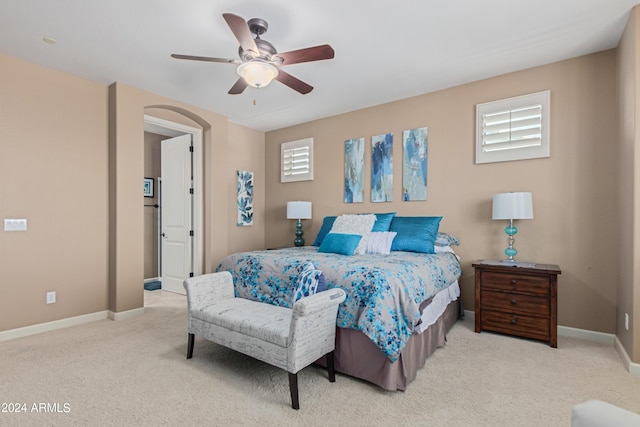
(385, 50)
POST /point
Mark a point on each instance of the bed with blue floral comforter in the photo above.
(384, 292)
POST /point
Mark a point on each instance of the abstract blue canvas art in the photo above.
(414, 164)
(354, 170)
(245, 198)
(382, 168)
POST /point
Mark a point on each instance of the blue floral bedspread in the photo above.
(384, 292)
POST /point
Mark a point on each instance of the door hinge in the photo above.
(191, 233)
(191, 148)
(190, 274)
(191, 191)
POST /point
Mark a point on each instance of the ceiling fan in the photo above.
(260, 62)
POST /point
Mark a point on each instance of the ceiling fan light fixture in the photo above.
(257, 73)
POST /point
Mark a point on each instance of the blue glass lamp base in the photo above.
(299, 241)
(510, 252)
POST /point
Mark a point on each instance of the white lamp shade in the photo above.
(257, 73)
(512, 206)
(298, 210)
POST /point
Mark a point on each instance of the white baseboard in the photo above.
(50, 326)
(632, 367)
(599, 337)
(69, 321)
(122, 315)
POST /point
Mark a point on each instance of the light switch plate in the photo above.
(15, 224)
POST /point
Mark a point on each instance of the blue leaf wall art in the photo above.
(245, 198)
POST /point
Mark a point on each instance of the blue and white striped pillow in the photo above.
(310, 281)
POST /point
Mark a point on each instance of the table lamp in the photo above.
(510, 206)
(299, 210)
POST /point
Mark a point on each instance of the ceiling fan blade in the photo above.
(309, 54)
(239, 87)
(241, 30)
(294, 83)
(205, 58)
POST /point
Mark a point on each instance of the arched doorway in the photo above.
(169, 270)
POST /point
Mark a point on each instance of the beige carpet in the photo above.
(134, 373)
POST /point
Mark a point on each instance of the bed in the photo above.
(398, 308)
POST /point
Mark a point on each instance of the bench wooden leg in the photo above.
(293, 387)
(330, 367)
(190, 347)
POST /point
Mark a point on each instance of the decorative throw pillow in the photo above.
(415, 233)
(338, 243)
(444, 239)
(327, 223)
(322, 283)
(383, 221)
(443, 249)
(307, 283)
(379, 242)
(355, 224)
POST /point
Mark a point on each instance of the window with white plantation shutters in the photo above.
(513, 129)
(296, 160)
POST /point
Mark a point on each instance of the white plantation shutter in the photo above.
(296, 160)
(513, 129)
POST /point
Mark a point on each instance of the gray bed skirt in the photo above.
(357, 356)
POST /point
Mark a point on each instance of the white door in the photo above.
(176, 216)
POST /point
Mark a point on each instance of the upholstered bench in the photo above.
(290, 339)
(596, 413)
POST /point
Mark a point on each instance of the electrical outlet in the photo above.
(51, 297)
(626, 321)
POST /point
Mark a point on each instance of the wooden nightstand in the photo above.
(517, 299)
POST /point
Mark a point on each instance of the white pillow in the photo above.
(443, 249)
(355, 224)
(379, 242)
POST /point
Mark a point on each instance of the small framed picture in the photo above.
(148, 187)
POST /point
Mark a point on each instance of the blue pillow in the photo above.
(415, 233)
(337, 243)
(383, 221)
(325, 228)
(308, 282)
(322, 283)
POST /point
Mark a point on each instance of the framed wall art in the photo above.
(148, 187)
(354, 170)
(382, 168)
(245, 198)
(414, 164)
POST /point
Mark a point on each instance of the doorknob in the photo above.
(163, 235)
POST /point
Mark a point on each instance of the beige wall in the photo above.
(71, 162)
(72, 158)
(628, 189)
(573, 190)
(128, 105)
(246, 146)
(53, 172)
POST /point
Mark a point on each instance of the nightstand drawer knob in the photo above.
(513, 301)
(514, 321)
(513, 281)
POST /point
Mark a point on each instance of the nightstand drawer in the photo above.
(515, 324)
(515, 282)
(512, 302)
